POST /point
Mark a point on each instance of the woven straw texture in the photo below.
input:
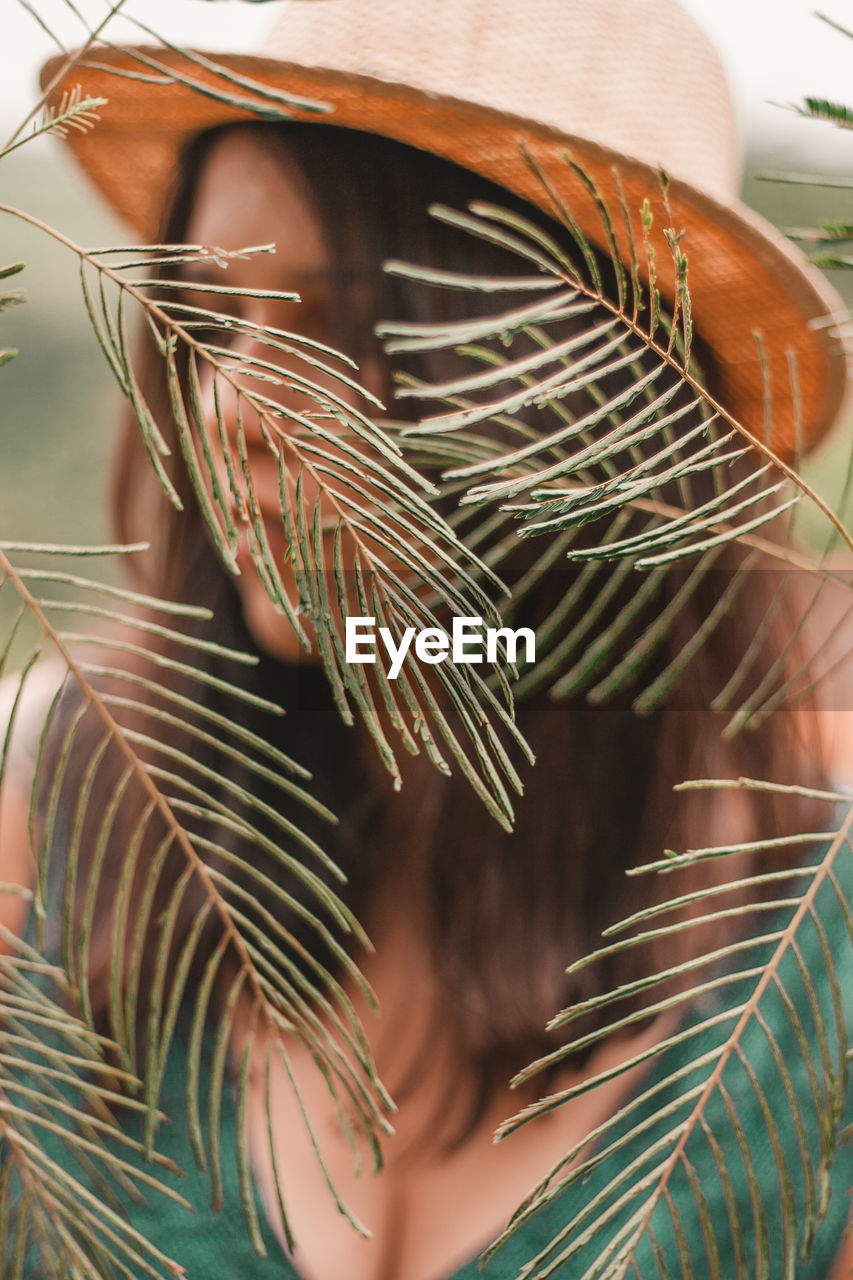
(590, 68)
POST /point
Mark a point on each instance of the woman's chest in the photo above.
(445, 1189)
(433, 1206)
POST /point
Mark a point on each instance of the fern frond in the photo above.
(583, 417)
(10, 300)
(68, 60)
(74, 111)
(745, 1086)
(13, 269)
(68, 1167)
(152, 805)
(822, 109)
(209, 78)
(158, 66)
(364, 490)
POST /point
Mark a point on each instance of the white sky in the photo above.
(775, 51)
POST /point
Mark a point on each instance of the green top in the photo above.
(772, 1112)
(776, 1127)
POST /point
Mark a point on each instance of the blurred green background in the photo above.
(59, 405)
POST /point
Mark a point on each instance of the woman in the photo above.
(472, 928)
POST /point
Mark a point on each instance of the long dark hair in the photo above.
(506, 914)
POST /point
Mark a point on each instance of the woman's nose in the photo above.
(258, 403)
(280, 388)
(229, 423)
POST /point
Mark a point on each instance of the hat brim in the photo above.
(760, 308)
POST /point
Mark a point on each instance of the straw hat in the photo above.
(491, 84)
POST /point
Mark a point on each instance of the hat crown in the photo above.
(640, 77)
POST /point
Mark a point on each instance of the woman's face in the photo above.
(248, 195)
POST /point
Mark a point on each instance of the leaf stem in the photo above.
(70, 63)
(259, 1000)
(690, 380)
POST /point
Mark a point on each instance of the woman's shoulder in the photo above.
(25, 701)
